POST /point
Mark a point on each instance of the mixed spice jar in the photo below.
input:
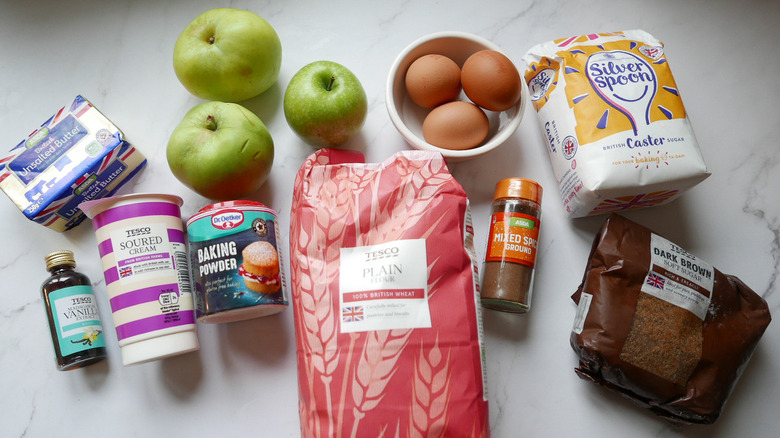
(510, 258)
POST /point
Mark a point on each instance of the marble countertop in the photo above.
(242, 381)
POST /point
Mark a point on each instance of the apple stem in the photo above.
(330, 85)
(211, 124)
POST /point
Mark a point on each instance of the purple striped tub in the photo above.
(143, 251)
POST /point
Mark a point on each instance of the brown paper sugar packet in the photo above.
(659, 325)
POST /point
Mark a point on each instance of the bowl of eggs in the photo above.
(455, 93)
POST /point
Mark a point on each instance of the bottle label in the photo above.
(513, 238)
(76, 319)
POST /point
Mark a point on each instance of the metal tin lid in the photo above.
(240, 205)
(59, 258)
(232, 204)
(519, 188)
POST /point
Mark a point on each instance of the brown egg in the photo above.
(456, 125)
(491, 80)
(432, 80)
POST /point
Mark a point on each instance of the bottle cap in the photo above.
(60, 258)
(519, 188)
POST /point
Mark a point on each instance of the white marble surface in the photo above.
(242, 382)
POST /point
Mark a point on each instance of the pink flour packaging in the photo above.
(384, 291)
(617, 133)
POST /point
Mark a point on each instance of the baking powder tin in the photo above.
(236, 267)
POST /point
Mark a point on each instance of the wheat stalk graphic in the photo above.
(431, 394)
(375, 368)
(313, 273)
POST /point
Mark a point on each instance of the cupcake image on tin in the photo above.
(260, 269)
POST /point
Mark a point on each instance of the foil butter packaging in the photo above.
(385, 300)
(77, 155)
(617, 133)
(662, 326)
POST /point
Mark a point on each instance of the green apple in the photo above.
(221, 151)
(325, 104)
(227, 55)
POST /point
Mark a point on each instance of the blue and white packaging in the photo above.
(77, 155)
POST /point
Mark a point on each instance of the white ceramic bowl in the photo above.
(408, 117)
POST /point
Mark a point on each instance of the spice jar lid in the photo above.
(519, 188)
(60, 258)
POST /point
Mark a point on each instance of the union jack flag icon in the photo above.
(125, 272)
(569, 147)
(655, 280)
(352, 313)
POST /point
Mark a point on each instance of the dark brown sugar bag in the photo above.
(661, 326)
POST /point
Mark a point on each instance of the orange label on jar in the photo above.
(513, 238)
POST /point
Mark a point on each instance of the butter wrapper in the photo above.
(75, 156)
(616, 130)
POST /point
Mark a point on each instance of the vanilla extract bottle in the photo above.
(72, 311)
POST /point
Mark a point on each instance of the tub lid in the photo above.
(97, 206)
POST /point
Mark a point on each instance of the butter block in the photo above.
(77, 155)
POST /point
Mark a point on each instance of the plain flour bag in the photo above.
(615, 126)
(384, 293)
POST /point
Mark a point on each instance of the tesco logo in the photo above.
(227, 220)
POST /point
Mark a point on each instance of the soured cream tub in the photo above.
(143, 252)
